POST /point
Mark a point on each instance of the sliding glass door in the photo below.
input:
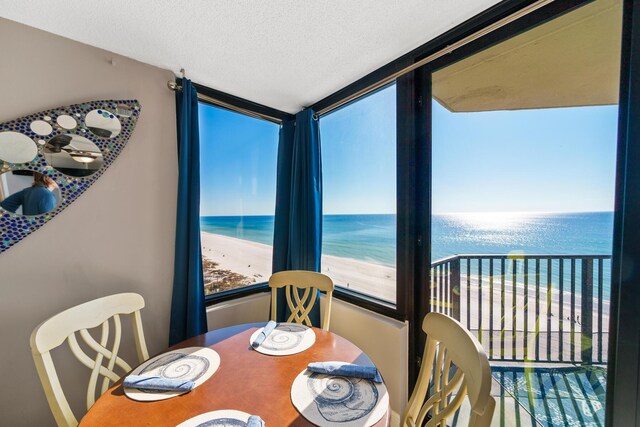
(521, 186)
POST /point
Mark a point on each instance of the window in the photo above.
(238, 157)
(359, 195)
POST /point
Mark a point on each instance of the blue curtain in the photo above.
(188, 316)
(297, 240)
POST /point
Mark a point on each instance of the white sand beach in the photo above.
(253, 260)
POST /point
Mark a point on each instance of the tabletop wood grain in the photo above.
(246, 381)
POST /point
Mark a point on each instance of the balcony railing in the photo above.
(539, 308)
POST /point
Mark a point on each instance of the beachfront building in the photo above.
(469, 158)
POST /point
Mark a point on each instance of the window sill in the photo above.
(365, 301)
(368, 302)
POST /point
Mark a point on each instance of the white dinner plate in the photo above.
(223, 418)
(329, 400)
(286, 339)
(195, 364)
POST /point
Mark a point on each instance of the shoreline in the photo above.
(234, 261)
(332, 259)
(252, 261)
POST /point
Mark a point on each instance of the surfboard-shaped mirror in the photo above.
(48, 159)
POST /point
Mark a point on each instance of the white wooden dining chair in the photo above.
(63, 326)
(300, 305)
(449, 343)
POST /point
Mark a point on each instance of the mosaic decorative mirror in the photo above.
(48, 159)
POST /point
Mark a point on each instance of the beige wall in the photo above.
(118, 236)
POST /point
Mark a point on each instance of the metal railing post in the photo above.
(455, 288)
(586, 312)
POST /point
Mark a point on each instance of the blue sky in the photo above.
(237, 167)
(359, 156)
(549, 160)
(552, 160)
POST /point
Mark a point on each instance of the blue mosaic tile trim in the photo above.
(15, 227)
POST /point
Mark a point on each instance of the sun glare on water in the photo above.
(496, 221)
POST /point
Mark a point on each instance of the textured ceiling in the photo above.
(286, 54)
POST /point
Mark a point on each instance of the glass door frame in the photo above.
(414, 207)
(623, 378)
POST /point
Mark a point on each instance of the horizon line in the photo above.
(435, 213)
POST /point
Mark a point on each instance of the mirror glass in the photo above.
(103, 123)
(40, 127)
(67, 122)
(17, 148)
(73, 155)
(123, 110)
(28, 193)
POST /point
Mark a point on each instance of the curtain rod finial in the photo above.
(173, 85)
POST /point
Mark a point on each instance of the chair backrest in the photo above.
(300, 305)
(449, 343)
(63, 326)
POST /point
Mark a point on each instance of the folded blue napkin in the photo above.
(269, 327)
(343, 369)
(142, 382)
(255, 421)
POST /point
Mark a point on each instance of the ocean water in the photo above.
(254, 228)
(372, 238)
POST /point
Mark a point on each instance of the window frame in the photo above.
(361, 299)
(241, 105)
(623, 370)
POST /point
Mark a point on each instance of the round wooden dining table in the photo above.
(246, 381)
